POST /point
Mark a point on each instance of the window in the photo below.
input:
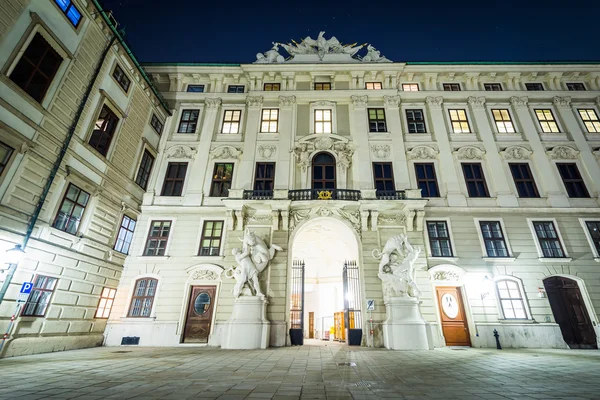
(36, 68)
(322, 121)
(572, 180)
(269, 120)
(39, 298)
(523, 178)
(231, 121)
(69, 9)
(493, 238)
(377, 120)
(5, 153)
(503, 121)
(125, 235)
(195, 88)
(511, 299)
(575, 86)
(121, 78)
(590, 120)
(323, 86)
(460, 124)
(534, 86)
(373, 86)
(264, 177)
(156, 243)
(221, 182)
(71, 209)
(426, 179)
(143, 297)
(410, 87)
(107, 297)
(548, 239)
(105, 127)
(188, 121)
(143, 174)
(416, 121)
(272, 87)
(593, 228)
(235, 89)
(547, 121)
(384, 179)
(210, 243)
(475, 180)
(451, 87)
(174, 179)
(439, 239)
(492, 87)
(156, 124)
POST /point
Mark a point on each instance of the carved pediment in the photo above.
(181, 151)
(563, 153)
(297, 216)
(205, 272)
(422, 153)
(340, 146)
(446, 272)
(516, 153)
(225, 152)
(469, 153)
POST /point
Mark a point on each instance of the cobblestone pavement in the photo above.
(307, 372)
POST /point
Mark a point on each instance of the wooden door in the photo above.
(311, 325)
(199, 314)
(570, 312)
(452, 313)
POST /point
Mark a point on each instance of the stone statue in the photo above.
(374, 55)
(270, 57)
(302, 152)
(319, 46)
(252, 259)
(396, 268)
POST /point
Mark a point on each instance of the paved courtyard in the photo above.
(307, 372)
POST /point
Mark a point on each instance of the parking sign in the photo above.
(26, 288)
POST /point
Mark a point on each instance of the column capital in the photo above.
(391, 101)
(359, 101)
(562, 102)
(434, 102)
(212, 102)
(476, 103)
(287, 101)
(254, 101)
(519, 102)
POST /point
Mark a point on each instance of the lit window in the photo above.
(410, 87)
(71, 210)
(69, 9)
(451, 87)
(143, 297)
(548, 239)
(221, 181)
(195, 88)
(269, 120)
(590, 120)
(104, 130)
(323, 121)
(373, 85)
(493, 238)
(547, 121)
(39, 298)
(492, 87)
(377, 120)
(156, 243)
(231, 121)
(511, 299)
(460, 124)
(125, 235)
(189, 119)
(439, 239)
(107, 297)
(210, 243)
(5, 153)
(271, 87)
(121, 78)
(534, 86)
(323, 86)
(235, 89)
(575, 86)
(503, 121)
(156, 124)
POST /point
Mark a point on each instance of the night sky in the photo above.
(221, 31)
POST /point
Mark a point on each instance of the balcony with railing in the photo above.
(324, 194)
(390, 195)
(257, 195)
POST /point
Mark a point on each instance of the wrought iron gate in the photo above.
(297, 303)
(352, 303)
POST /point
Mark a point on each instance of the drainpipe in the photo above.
(56, 166)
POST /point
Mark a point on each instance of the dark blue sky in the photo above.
(222, 31)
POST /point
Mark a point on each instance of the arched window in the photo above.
(323, 171)
(511, 299)
(143, 297)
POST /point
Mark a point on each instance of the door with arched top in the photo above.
(323, 171)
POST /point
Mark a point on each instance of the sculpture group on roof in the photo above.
(320, 47)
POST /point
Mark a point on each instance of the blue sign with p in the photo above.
(26, 288)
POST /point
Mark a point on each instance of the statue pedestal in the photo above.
(248, 327)
(405, 328)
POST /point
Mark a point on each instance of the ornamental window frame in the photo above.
(240, 123)
(323, 105)
(270, 120)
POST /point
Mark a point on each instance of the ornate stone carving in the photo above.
(340, 146)
(381, 151)
(563, 153)
(297, 216)
(264, 219)
(391, 219)
(252, 259)
(422, 153)
(476, 102)
(212, 103)
(270, 57)
(391, 101)
(516, 153)
(225, 152)
(469, 153)
(434, 102)
(323, 103)
(180, 151)
(323, 143)
(254, 101)
(204, 274)
(267, 151)
(302, 152)
(319, 46)
(287, 101)
(359, 101)
(445, 276)
(562, 102)
(374, 55)
(396, 268)
(519, 102)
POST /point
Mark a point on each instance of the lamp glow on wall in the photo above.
(14, 256)
(487, 285)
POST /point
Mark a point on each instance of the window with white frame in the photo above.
(106, 302)
(493, 239)
(503, 122)
(410, 87)
(511, 299)
(231, 121)
(548, 239)
(269, 120)
(459, 121)
(590, 119)
(593, 234)
(323, 121)
(546, 120)
(439, 239)
(143, 297)
(373, 86)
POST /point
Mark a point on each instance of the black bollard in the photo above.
(497, 336)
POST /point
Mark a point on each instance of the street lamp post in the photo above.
(12, 257)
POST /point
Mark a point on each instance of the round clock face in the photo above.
(449, 305)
